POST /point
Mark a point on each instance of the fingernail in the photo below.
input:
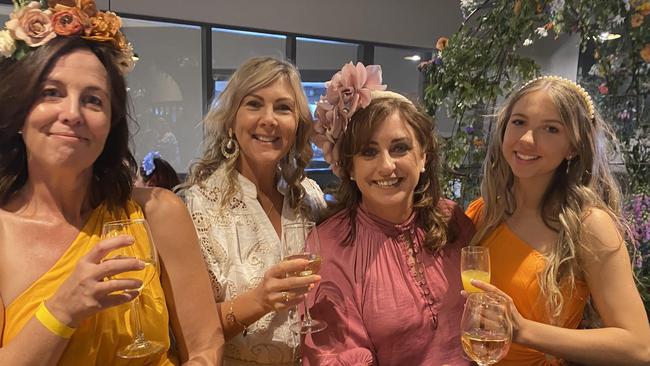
(141, 264)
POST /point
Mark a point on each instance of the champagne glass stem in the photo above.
(307, 315)
(135, 322)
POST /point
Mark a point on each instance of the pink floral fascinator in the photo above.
(350, 89)
(34, 23)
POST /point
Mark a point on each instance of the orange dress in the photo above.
(514, 269)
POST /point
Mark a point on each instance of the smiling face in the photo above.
(536, 140)
(388, 168)
(68, 124)
(265, 126)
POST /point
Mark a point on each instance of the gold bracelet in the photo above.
(232, 319)
(52, 324)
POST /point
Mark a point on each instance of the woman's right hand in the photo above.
(278, 292)
(90, 289)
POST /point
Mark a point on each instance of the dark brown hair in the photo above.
(163, 176)
(427, 192)
(19, 89)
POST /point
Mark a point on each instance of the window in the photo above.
(230, 48)
(400, 72)
(165, 88)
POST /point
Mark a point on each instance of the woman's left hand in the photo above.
(518, 321)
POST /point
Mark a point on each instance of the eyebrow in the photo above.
(393, 141)
(93, 88)
(283, 99)
(546, 120)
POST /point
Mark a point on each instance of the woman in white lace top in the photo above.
(248, 184)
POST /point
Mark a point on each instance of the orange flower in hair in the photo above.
(103, 27)
(69, 22)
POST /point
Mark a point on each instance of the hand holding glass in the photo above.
(486, 329)
(295, 237)
(474, 265)
(139, 230)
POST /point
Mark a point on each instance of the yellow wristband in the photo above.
(53, 324)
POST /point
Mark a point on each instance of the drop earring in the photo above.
(229, 146)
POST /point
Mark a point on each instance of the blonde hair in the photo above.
(427, 192)
(252, 75)
(586, 183)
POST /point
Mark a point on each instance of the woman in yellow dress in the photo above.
(64, 172)
(550, 213)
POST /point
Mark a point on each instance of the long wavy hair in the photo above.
(427, 192)
(584, 184)
(19, 89)
(252, 75)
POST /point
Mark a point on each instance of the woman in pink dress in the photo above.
(390, 288)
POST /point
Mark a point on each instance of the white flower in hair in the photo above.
(7, 44)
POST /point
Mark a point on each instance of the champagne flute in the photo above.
(295, 245)
(474, 265)
(139, 230)
(486, 329)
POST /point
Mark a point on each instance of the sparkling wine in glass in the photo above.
(139, 230)
(474, 265)
(300, 241)
(486, 329)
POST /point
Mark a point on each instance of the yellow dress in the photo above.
(98, 338)
(514, 268)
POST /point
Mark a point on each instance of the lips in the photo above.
(68, 136)
(526, 157)
(267, 139)
(388, 183)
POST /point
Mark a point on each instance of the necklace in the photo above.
(268, 210)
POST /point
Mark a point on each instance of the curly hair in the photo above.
(252, 75)
(427, 193)
(19, 90)
(576, 187)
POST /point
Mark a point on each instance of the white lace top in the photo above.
(239, 244)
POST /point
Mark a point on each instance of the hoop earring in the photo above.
(230, 146)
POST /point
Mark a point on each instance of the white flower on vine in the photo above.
(556, 6)
(618, 20)
(595, 71)
(468, 4)
(528, 42)
(541, 32)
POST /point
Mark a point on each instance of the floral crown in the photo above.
(148, 164)
(34, 23)
(350, 89)
(573, 85)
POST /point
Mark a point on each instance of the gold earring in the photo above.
(229, 146)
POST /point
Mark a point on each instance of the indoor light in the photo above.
(607, 36)
(413, 58)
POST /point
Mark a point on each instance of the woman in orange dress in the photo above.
(550, 213)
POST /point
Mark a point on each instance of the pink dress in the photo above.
(385, 299)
